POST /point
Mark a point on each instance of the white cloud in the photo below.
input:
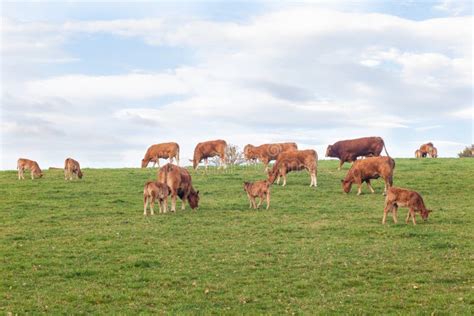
(466, 113)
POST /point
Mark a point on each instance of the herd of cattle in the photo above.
(174, 181)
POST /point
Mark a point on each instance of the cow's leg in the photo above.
(394, 213)
(254, 205)
(412, 212)
(183, 202)
(250, 200)
(21, 174)
(369, 185)
(387, 208)
(268, 199)
(341, 162)
(65, 174)
(145, 204)
(278, 179)
(359, 188)
(284, 179)
(205, 162)
(152, 204)
(165, 205)
(260, 198)
(32, 175)
(173, 201)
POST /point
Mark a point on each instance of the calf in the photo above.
(259, 189)
(402, 197)
(152, 191)
(293, 161)
(31, 165)
(72, 167)
(180, 183)
(366, 169)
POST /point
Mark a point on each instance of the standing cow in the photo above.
(349, 150)
(26, 164)
(294, 161)
(427, 150)
(180, 183)
(164, 151)
(210, 149)
(152, 191)
(267, 152)
(72, 167)
(402, 197)
(366, 169)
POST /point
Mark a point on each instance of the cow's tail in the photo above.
(385, 148)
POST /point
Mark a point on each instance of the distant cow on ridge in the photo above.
(210, 149)
(267, 152)
(72, 167)
(164, 151)
(31, 165)
(349, 150)
(427, 150)
(294, 161)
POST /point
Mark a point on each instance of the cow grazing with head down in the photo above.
(164, 151)
(180, 183)
(434, 152)
(26, 164)
(267, 152)
(366, 169)
(153, 191)
(402, 197)
(210, 149)
(349, 150)
(294, 161)
(427, 150)
(260, 189)
(72, 167)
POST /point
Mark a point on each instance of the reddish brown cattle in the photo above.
(349, 150)
(402, 197)
(180, 183)
(157, 151)
(434, 153)
(293, 161)
(210, 149)
(152, 191)
(31, 165)
(256, 189)
(366, 169)
(427, 149)
(418, 154)
(72, 167)
(267, 152)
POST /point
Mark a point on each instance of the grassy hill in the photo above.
(85, 247)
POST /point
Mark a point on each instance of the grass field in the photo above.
(85, 247)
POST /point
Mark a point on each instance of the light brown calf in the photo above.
(294, 161)
(402, 197)
(72, 167)
(180, 183)
(152, 191)
(31, 165)
(259, 189)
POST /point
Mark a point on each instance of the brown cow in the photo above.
(72, 167)
(210, 149)
(31, 165)
(427, 149)
(434, 152)
(402, 197)
(418, 154)
(180, 183)
(267, 152)
(292, 161)
(366, 169)
(157, 151)
(152, 191)
(259, 189)
(349, 150)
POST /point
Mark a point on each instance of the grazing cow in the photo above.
(418, 154)
(31, 165)
(210, 149)
(157, 151)
(434, 152)
(152, 191)
(293, 161)
(349, 150)
(267, 152)
(259, 189)
(72, 167)
(366, 169)
(427, 149)
(180, 183)
(402, 197)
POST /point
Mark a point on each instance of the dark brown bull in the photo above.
(210, 149)
(72, 167)
(164, 151)
(180, 183)
(366, 169)
(402, 197)
(267, 152)
(294, 161)
(349, 150)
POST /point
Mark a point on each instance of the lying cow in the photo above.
(267, 152)
(366, 169)
(164, 151)
(153, 191)
(23, 164)
(294, 161)
(349, 150)
(72, 167)
(260, 189)
(180, 183)
(210, 149)
(402, 197)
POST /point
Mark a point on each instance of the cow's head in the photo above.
(144, 163)
(246, 186)
(346, 185)
(425, 213)
(79, 174)
(193, 199)
(329, 152)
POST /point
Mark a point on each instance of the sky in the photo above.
(102, 81)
